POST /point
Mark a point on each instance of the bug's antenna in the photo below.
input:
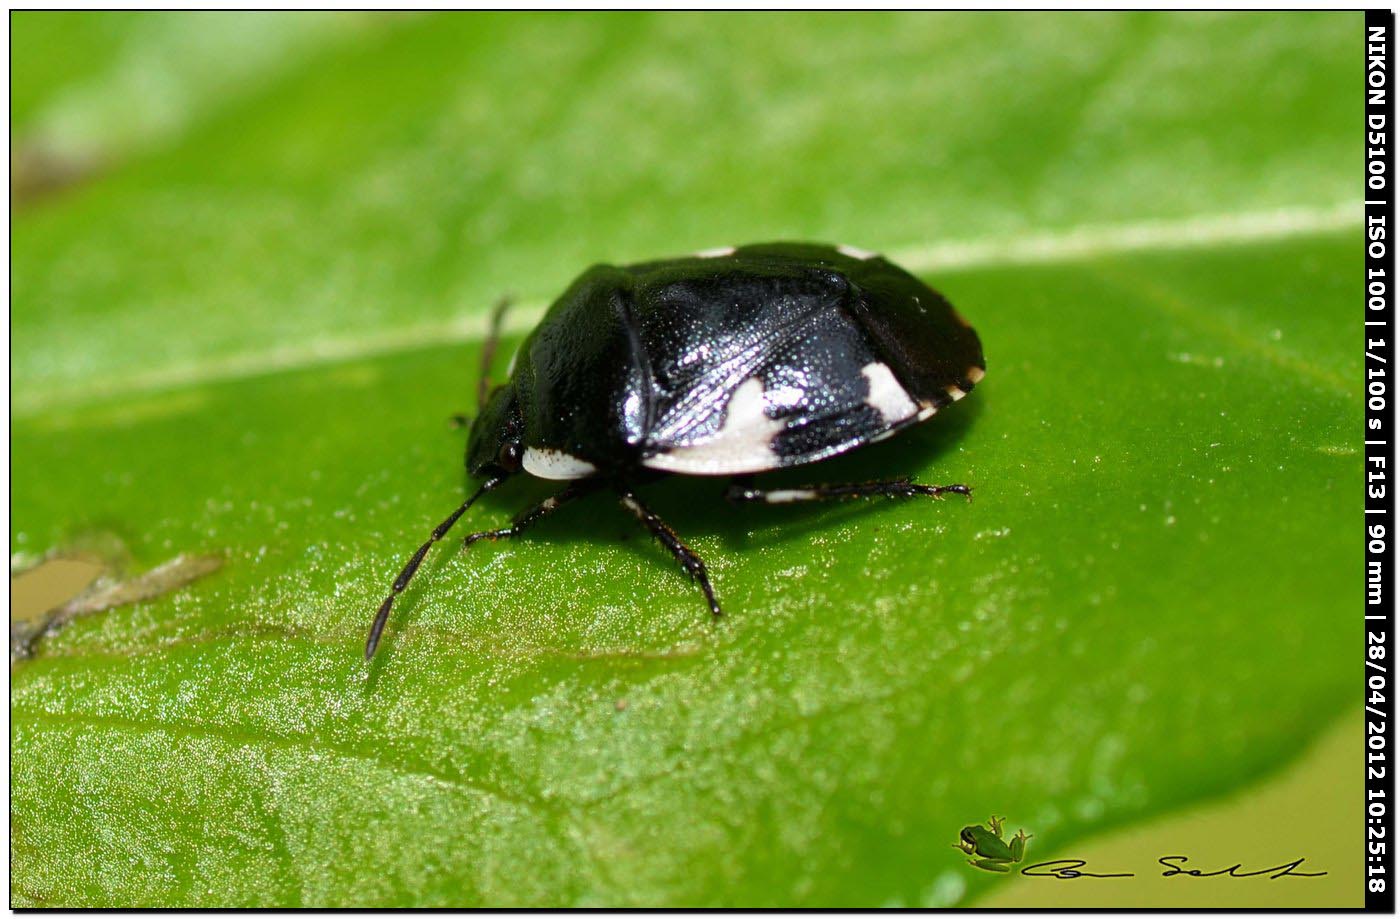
(406, 575)
(488, 351)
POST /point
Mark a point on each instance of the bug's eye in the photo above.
(509, 457)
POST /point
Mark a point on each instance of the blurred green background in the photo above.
(251, 259)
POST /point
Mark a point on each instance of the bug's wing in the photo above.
(933, 349)
(761, 367)
(787, 353)
(913, 328)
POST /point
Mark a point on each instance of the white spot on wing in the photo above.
(975, 375)
(955, 392)
(863, 254)
(717, 252)
(555, 464)
(927, 410)
(743, 444)
(886, 395)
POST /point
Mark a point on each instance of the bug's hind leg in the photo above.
(488, 351)
(689, 560)
(743, 490)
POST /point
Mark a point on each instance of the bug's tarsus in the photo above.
(488, 350)
(691, 562)
(406, 575)
(743, 490)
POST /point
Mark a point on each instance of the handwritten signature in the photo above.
(1069, 869)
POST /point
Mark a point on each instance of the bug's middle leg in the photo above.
(689, 560)
(743, 490)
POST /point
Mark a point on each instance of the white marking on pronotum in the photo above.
(788, 495)
(555, 464)
(717, 252)
(975, 375)
(864, 255)
(744, 443)
(886, 395)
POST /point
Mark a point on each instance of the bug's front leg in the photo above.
(522, 521)
(532, 515)
(743, 490)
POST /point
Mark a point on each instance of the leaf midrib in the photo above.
(1083, 243)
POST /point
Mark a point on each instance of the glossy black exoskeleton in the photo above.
(730, 362)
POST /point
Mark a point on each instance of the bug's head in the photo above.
(494, 446)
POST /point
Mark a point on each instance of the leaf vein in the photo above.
(1075, 244)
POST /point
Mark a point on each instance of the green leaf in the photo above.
(245, 341)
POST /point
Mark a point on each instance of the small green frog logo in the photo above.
(991, 852)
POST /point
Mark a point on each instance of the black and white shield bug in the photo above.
(730, 362)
